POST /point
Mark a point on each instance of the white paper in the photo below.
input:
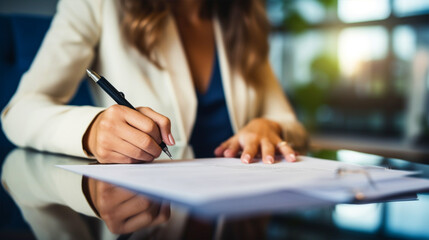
(203, 180)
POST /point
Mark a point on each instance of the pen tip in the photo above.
(168, 153)
(93, 75)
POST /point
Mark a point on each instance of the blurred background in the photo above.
(356, 72)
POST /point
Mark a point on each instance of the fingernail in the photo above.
(270, 159)
(227, 153)
(246, 158)
(216, 151)
(291, 158)
(171, 139)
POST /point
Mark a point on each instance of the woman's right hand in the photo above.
(122, 135)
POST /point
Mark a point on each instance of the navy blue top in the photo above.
(212, 125)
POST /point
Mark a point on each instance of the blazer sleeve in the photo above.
(276, 107)
(37, 115)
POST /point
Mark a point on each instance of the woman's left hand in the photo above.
(258, 136)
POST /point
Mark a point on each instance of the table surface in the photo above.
(382, 220)
(386, 147)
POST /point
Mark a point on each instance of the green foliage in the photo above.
(311, 96)
(328, 3)
(325, 70)
(295, 23)
(324, 154)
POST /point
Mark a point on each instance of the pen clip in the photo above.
(122, 94)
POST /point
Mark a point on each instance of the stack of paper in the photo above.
(215, 186)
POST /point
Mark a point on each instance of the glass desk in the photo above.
(52, 202)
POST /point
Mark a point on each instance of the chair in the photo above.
(20, 39)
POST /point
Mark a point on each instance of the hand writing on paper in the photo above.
(259, 136)
(122, 135)
(124, 211)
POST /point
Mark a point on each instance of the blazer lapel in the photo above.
(180, 84)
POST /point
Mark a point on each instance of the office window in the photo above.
(355, 67)
(363, 10)
(359, 46)
(410, 7)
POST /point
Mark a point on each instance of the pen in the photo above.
(119, 98)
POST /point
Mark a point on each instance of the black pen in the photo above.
(119, 98)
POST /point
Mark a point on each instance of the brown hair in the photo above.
(244, 25)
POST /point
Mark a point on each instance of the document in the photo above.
(203, 181)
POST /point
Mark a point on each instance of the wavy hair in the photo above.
(243, 22)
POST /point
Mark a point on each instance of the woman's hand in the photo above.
(122, 135)
(258, 136)
(123, 211)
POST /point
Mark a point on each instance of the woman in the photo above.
(201, 67)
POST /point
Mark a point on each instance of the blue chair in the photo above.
(19, 42)
(20, 39)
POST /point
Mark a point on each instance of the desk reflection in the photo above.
(52, 201)
(59, 204)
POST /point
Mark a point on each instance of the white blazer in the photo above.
(86, 34)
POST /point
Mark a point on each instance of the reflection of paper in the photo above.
(204, 180)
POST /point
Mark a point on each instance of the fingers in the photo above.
(145, 147)
(220, 149)
(259, 136)
(163, 216)
(287, 152)
(124, 211)
(232, 149)
(141, 219)
(105, 156)
(133, 206)
(251, 147)
(112, 148)
(142, 123)
(107, 197)
(268, 151)
(163, 123)
(152, 216)
(229, 148)
(123, 135)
